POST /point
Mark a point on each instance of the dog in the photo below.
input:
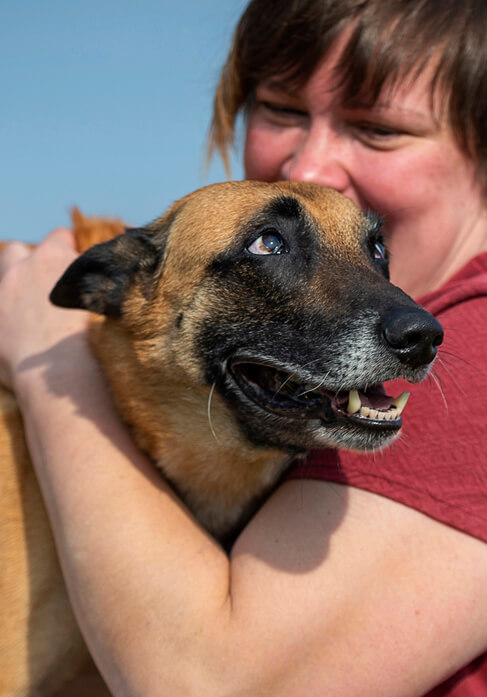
(249, 324)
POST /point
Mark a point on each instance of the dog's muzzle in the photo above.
(283, 394)
(407, 336)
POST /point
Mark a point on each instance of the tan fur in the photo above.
(40, 646)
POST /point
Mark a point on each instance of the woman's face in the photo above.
(396, 158)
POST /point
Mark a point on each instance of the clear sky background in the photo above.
(106, 104)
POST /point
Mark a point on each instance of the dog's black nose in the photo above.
(412, 334)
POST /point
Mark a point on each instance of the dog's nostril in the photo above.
(412, 334)
(438, 337)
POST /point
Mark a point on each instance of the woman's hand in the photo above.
(29, 324)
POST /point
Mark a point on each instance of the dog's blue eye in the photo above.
(269, 243)
(379, 251)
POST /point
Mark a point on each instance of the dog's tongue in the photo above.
(375, 397)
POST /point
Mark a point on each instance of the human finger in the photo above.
(12, 254)
(63, 237)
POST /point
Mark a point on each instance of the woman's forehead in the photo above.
(415, 93)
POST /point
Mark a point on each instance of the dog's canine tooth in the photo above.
(354, 402)
(400, 402)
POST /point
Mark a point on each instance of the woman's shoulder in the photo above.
(467, 285)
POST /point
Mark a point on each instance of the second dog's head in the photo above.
(275, 294)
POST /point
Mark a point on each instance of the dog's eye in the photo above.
(379, 251)
(268, 243)
(380, 256)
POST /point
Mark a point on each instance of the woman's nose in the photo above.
(321, 157)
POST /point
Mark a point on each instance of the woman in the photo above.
(333, 588)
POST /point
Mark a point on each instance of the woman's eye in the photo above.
(377, 128)
(281, 113)
(375, 135)
(281, 109)
(378, 131)
(268, 243)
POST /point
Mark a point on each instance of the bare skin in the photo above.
(397, 158)
(328, 584)
(318, 593)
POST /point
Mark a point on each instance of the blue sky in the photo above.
(105, 104)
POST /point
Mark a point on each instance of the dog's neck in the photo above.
(189, 433)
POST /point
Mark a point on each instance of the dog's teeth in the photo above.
(400, 402)
(354, 402)
(355, 407)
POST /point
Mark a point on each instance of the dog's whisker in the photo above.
(293, 375)
(305, 365)
(282, 385)
(449, 356)
(445, 353)
(340, 389)
(452, 374)
(446, 368)
(437, 382)
(316, 387)
(212, 389)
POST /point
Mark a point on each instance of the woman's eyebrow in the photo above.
(382, 107)
(277, 84)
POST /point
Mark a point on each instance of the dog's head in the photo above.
(278, 296)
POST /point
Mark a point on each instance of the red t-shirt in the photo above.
(439, 465)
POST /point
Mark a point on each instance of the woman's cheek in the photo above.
(388, 184)
(259, 159)
(266, 150)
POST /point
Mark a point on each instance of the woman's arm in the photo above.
(328, 590)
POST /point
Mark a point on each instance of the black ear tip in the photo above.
(66, 292)
(57, 296)
(53, 295)
(99, 279)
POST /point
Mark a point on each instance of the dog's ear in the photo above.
(99, 279)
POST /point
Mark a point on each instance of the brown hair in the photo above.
(390, 40)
